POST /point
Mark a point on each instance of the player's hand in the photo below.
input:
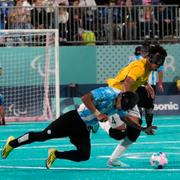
(102, 117)
(160, 87)
(150, 130)
(150, 91)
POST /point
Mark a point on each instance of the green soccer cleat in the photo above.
(51, 158)
(7, 148)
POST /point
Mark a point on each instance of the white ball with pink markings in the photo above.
(158, 160)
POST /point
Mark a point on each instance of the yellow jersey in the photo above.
(137, 70)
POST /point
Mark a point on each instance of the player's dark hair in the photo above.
(137, 50)
(146, 45)
(129, 100)
(157, 55)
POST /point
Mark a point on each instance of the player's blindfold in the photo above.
(156, 59)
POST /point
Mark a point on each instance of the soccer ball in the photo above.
(158, 160)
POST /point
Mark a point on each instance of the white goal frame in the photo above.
(56, 72)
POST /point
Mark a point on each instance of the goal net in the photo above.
(29, 81)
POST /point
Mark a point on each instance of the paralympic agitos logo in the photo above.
(166, 106)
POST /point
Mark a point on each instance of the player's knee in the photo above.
(133, 133)
(133, 136)
(84, 156)
(117, 134)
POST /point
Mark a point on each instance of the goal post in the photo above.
(30, 74)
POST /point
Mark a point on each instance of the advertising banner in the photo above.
(164, 105)
(167, 105)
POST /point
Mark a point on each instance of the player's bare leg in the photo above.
(2, 116)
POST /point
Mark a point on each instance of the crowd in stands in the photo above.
(41, 14)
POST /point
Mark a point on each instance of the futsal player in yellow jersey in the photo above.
(129, 79)
(136, 73)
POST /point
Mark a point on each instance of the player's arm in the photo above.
(128, 83)
(149, 90)
(88, 102)
(134, 122)
(160, 78)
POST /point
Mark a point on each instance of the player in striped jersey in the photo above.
(127, 135)
(97, 106)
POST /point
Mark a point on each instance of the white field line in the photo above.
(88, 169)
(95, 144)
(15, 128)
(140, 155)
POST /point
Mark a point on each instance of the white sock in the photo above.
(120, 149)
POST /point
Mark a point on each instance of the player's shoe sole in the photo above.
(51, 158)
(7, 148)
(116, 164)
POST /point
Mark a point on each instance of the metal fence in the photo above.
(97, 25)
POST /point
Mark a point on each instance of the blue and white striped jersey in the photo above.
(153, 79)
(104, 99)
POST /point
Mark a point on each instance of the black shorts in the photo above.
(145, 101)
(131, 132)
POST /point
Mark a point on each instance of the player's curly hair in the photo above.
(157, 49)
(153, 48)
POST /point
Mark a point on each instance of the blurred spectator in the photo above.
(102, 20)
(38, 15)
(87, 3)
(117, 11)
(148, 22)
(129, 19)
(89, 14)
(145, 2)
(58, 2)
(5, 7)
(50, 12)
(120, 2)
(27, 3)
(74, 22)
(19, 17)
(112, 2)
(62, 21)
(166, 20)
(88, 21)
